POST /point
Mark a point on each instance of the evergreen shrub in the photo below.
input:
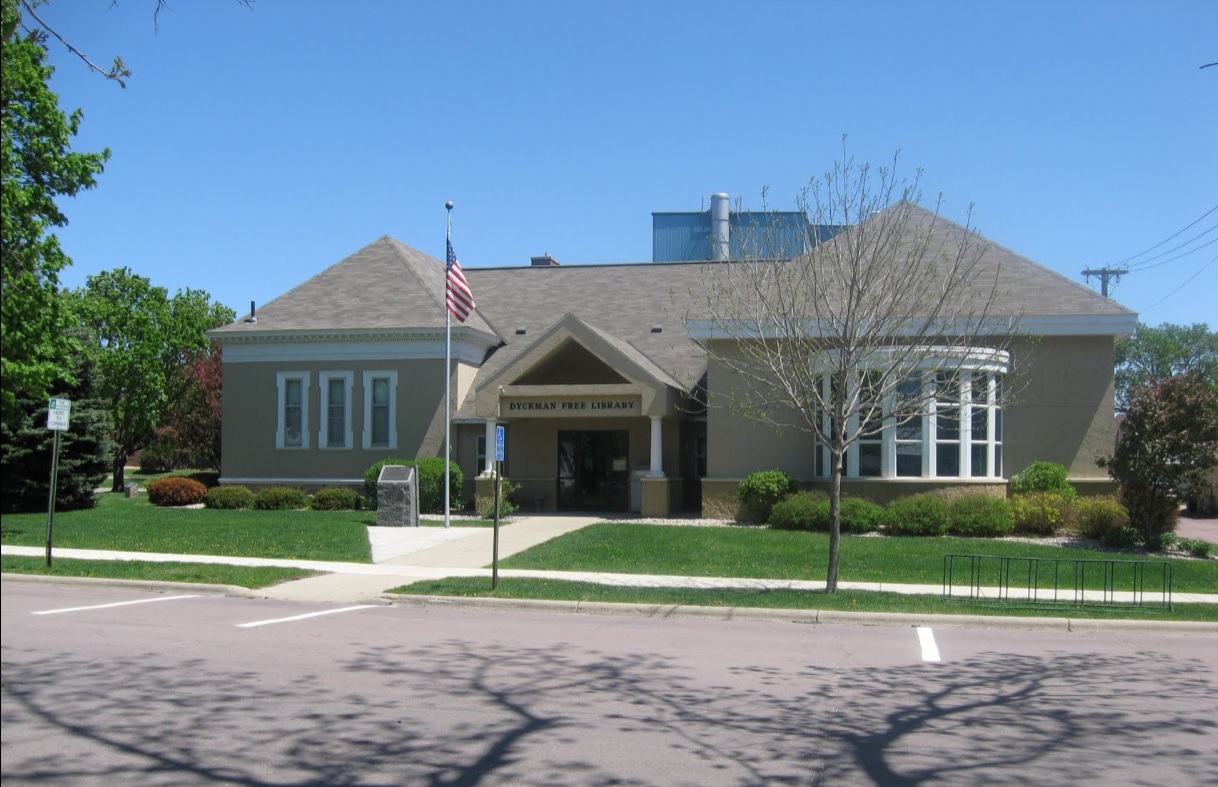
(1041, 513)
(862, 516)
(229, 498)
(1095, 516)
(980, 516)
(762, 489)
(802, 511)
(918, 515)
(1121, 537)
(280, 498)
(176, 490)
(335, 498)
(430, 472)
(1043, 477)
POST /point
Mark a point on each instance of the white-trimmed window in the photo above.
(939, 424)
(335, 430)
(292, 421)
(380, 410)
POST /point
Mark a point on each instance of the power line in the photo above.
(1144, 267)
(1182, 285)
(1172, 237)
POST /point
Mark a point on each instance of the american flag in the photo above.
(460, 298)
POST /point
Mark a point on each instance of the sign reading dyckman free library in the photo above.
(573, 406)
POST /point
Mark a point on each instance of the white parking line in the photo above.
(926, 637)
(257, 623)
(108, 606)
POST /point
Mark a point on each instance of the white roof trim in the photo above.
(1057, 325)
(302, 352)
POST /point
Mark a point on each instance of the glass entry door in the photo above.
(593, 470)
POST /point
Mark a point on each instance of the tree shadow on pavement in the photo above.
(467, 712)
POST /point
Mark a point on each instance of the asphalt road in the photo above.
(213, 690)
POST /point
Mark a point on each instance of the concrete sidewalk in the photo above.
(407, 555)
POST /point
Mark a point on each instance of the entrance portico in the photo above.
(594, 426)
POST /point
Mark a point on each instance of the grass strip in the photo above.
(135, 525)
(761, 553)
(241, 576)
(847, 600)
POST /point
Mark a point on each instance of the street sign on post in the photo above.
(58, 413)
(499, 443)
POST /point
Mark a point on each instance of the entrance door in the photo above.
(593, 470)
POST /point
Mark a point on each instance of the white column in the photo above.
(657, 449)
(489, 469)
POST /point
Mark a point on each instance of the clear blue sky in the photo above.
(255, 147)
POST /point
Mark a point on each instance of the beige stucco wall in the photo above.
(1061, 404)
(738, 445)
(250, 414)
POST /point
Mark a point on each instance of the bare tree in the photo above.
(890, 314)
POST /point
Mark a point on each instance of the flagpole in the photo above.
(448, 351)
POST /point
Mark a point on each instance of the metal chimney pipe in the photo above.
(720, 231)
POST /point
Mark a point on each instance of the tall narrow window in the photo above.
(908, 430)
(335, 410)
(380, 410)
(947, 425)
(292, 421)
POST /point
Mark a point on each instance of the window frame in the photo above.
(281, 386)
(369, 379)
(968, 367)
(323, 428)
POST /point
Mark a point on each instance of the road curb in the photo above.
(809, 616)
(152, 586)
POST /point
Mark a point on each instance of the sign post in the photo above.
(499, 440)
(58, 413)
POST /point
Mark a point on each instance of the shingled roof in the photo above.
(643, 307)
(385, 286)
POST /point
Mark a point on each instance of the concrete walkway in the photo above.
(407, 555)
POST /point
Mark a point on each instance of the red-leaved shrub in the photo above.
(176, 490)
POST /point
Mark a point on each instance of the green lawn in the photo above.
(847, 600)
(777, 554)
(136, 525)
(241, 576)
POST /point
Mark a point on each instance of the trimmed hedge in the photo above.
(280, 498)
(431, 483)
(229, 498)
(862, 516)
(176, 490)
(810, 511)
(803, 511)
(1043, 477)
(762, 490)
(918, 515)
(1094, 517)
(335, 498)
(980, 516)
(1041, 513)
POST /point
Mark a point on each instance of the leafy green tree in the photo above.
(143, 341)
(1158, 353)
(37, 167)
(84, 448)
(1169, 440)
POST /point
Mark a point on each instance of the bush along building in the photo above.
(611, 380)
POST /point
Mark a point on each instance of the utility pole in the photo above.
(1105, 274)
